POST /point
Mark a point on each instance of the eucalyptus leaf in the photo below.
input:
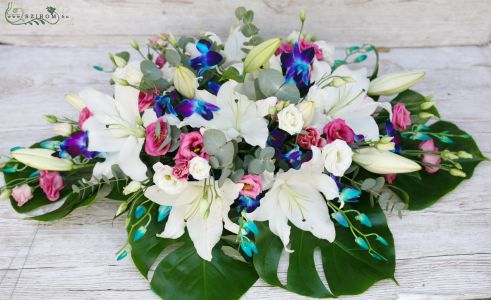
(288, 92)
(172, 57)
(150, 70)
(270, 81)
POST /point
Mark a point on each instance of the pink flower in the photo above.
(390, 178)
(337, 129)
(51, 183)
(191, 144)
(160, 61)
(311, 138)
(253, 186)
(303, 45)
(84, 115)
(22, 194)
(145, 100)
(181, 169)
(284, 48)
(401, 117)
(432, 160)
(154, 139)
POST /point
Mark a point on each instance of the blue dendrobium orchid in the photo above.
(391, 131)
(297, 65)
(294, 157)
(208, 58)
(214, 87)
(190, 106)
(163, 102)
(247, 203)
(76, 145)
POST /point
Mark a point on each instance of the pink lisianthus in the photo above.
(303, 45)
(191, 145)
(51, 183)
(160, 61)
(181, 169)
(146, 100)
(154, 139)
(253, 186)
(84, 115)
(337, 129)
(390, 178)
(401, 117)
(309, 139)
(22, 194)
(433, 160)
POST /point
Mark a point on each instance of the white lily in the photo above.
(116, 129)
(348, 102)
(202, 208)
(298, 196)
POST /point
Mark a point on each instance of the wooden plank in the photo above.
(382, 22)
(443, 252)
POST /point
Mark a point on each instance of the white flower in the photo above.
(202, 208)
(116, 129)
(63, 129)
(394, 83)
(337, 157)
(384, 162)
(131, 73)
(290, 119)
(41, 159)
(348, 102)
(132, 187)
(199, 168)
(298, 196)
(165, 181)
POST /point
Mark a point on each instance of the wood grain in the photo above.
(442, 252)
(382, 22)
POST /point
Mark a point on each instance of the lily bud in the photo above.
(132, 187)
(384, 162)
(260, 54)
(457, 173)
(185, 82)
(306, 108)
(392, 84)
(464, 154)
(41, 159)
(63, 129)
(75, 101)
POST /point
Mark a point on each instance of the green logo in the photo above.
(18, 16)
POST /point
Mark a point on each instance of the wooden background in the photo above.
(442, 252)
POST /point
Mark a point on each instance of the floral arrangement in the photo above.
(228, 155)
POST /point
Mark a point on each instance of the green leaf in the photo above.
(124, 55)
(348, 269)
(214, 140)
(288, 92)
(240, 12)
(425, 191)
(270, 81)
(172, 57)
(150, 70)
(231, 73)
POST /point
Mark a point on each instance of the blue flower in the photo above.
(297, 65)
(140, 232)
(163, 212)
(349, 195)
(391, 131)
(214, 87)
(248, 247)
(76, 145)
(361, 242)
(140, 211)
(250, 204)
(191, 106)
(364, 220)
(294, 157)
(208, 58)
(249, 226)
(340, 218)
(164, 102)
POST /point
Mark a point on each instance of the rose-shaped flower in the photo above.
(191, 145)
(432, 160)
(83, 116)
(337, 129)
(309, 139)
(154, 138)
(160, 61)
(199, 168)
(22, 194)
(337, 157)
(145, 100)
(166, 181)
(401, 117)
(181, 169)
(390, 178)
(253, 186)
(290, 119)
(51, 183)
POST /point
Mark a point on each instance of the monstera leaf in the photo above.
(348, 269)
(430, 188)
(183, 274)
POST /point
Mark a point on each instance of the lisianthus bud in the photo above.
(394, 83)
(172, 40)
(185, 82)
(426, 105)
(306, 108)
(457, 173)
(118, 61)
(132, 187)
(340, 81)
(260, 54)
(134, 44)
(63, 129)
(385, 144)
(384, 162)
(50, 118)
(302, 15)
(41, 159)
(120, 81)
(75, 101)
(448, 155)
(464, 154)
(5, 193)
(425, 115)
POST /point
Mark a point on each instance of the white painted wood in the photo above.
(442, 252)
(382, 22)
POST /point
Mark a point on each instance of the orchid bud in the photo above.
(384, 162)
(427, 105)
(457, 173)
(63, 129)
(260, 54)
(306, 108)
(392, 84)
(75, 101)
(132, 187)
(51, 119)
(464, 154)
(185, 82)
(41, 159)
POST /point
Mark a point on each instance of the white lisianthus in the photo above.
(131, 73)
(290, 119)
(337, 157)
(199, 168)
(307, 109)
(384, 162)
(132, 187)
(165, 181)
(63, 129)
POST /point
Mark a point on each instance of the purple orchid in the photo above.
(208, 58)
(297, 65)
(190, 106)
(164, 102)
(391, 131)
(76, 145)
